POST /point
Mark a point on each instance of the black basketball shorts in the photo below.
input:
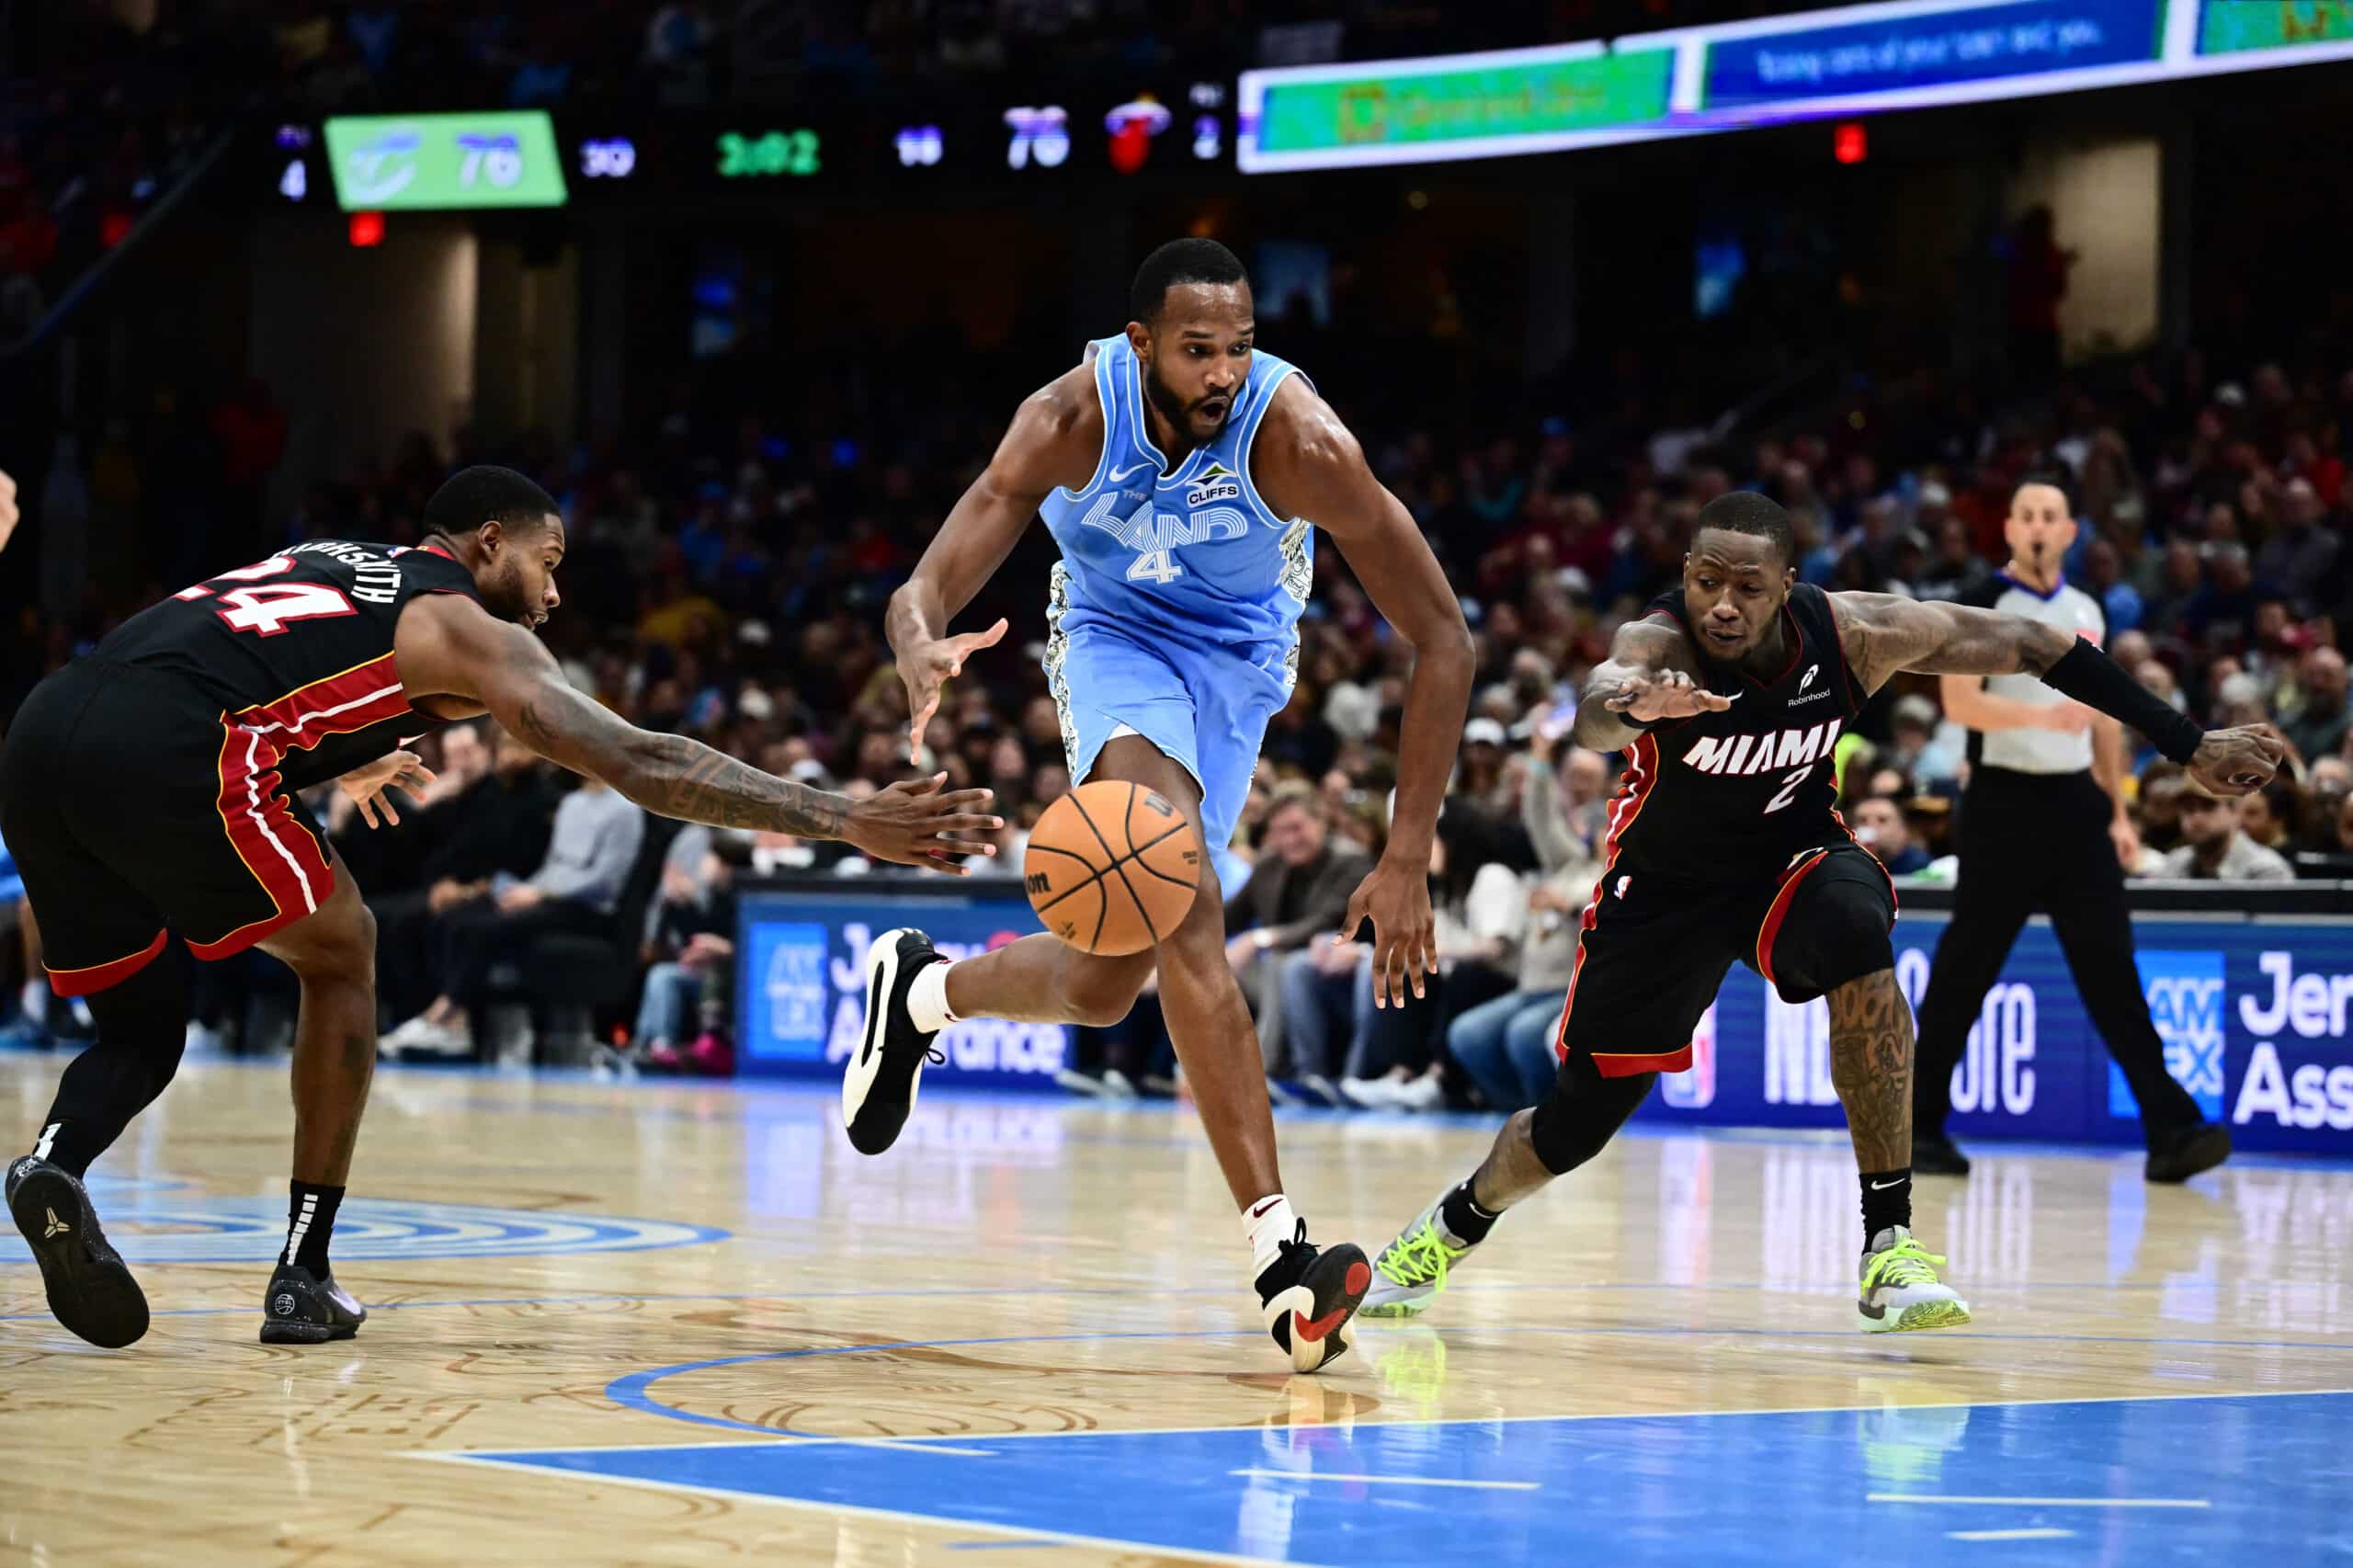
(1655, 950)
(135, 807)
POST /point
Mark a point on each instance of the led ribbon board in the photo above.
(1694, 81)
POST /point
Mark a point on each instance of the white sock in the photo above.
(1269, 1224)
(927, 999)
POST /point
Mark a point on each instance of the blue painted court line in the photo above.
(2195, 1481)
(634, 1390)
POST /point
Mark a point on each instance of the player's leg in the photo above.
(1997, 891)
(2089, 917)
(1651, 958)
(1825, 933)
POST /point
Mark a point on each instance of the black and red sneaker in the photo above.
(1309, 1294)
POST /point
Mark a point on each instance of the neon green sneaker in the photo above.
(1411, 1270)
(1901, 1291)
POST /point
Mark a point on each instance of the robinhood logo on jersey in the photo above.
(2185, 993)
(1216, 483)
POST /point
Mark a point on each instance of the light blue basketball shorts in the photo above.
(1207, 708)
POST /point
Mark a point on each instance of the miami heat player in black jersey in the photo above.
(203, 715)
(147, 791)
(1728, 698)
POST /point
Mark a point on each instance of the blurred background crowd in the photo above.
(735, 536)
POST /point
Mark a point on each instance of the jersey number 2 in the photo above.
(265, 610)
(1790, 789)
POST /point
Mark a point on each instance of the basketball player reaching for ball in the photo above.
(1179, 469)
(148, 792)
(1725, 844)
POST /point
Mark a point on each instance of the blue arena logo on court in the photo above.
(181, 1224)
(2184, 993)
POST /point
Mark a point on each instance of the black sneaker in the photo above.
(879, 1083)
(90, 1290)
(1934, 1153)
(1308, 1296)
(303, 1308)
(2185, 1153)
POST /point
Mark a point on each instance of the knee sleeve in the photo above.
(1836, 931)
(1585, 1110)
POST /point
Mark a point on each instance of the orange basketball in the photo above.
(1112, 868)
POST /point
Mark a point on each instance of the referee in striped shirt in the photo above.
(2043, 827)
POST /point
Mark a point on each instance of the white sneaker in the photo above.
(1900, 1288)
(1117, 1086)
(1423, 1092)
(1412, 1270)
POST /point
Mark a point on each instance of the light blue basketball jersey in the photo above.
(1193, 553)
(1174, 613)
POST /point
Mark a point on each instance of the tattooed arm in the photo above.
(1648, 676)
(448, 645)
(1880, 634)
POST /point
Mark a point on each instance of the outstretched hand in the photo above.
(1396, 898)
(2237, 761)
(369, 786)
(915, 824)
(926, 667)
(1649, 696)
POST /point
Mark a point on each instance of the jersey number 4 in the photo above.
(265, 610)
(1154, 567)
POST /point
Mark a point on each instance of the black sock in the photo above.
(1463, 1218)
(1887, 1201)
(310, 1220)
(71, 1144)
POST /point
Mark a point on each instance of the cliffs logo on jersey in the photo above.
(1743, 755)
(1217, 483)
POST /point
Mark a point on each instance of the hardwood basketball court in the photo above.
(674, 1323)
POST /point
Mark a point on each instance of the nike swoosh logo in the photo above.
(1883, 1186)
(1734, 695)
(873, 1014)
(1314, 1329)
(1255, 1213)
(1118, 475)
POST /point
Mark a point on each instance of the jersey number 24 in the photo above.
(265, 610)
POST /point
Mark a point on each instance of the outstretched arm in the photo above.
(1649, 676)
(1881, 634)
(448, 645)
(1306, 464)
(1055, 438)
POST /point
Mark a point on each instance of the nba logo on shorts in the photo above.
(1696, 1086)
(2184, 993)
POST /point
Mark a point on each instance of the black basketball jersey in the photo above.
(1739, 792)
(299, 648)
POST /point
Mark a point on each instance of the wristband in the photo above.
(2098, 682)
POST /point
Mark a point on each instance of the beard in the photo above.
(1173, 408)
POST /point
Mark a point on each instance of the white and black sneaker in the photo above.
(879, 1083)
(90, 1290)
(303, 1308)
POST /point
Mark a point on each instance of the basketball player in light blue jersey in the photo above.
(1182, 473)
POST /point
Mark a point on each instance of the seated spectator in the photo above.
(689, 943)
(2270, 814)
(2163, 786)
(2318, 727)
(2213, 849)
(1879, 827)
(1916, 748)
(1298, 889)
(575, 888)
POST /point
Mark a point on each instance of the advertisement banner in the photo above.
(2232, 26)
(433, 162)
(2253, 1015)
(1939, 49)
(1517, 101)
(801, 986)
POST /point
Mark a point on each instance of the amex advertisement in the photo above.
(800, 983)
(2253, 1016)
